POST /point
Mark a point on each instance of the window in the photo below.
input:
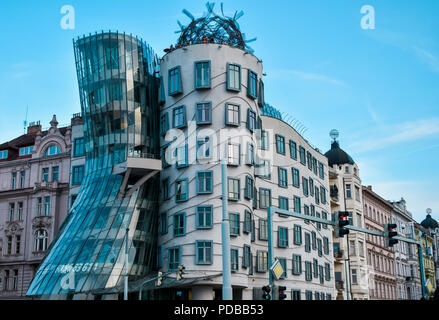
(234, 154)
(280, 144)
(247, 222)
(282, 239)
(308, 272)
(295, 294)
(354, 276)
(357, 193)
(251, 120)
(39, 206)
(203, 148)
(328, 296)
(78, 147)
(297, 205)
(311, 187)
(297, 264)
(319, 247)
(321, 277)
(46, 206)
(318, 224)
(204, 113)
(252, 88)
(234, 224)
(263, 169)
(297, 234)
(202, 74)
(306, 211)
(293, 150)
(321, 171)
(181, 154)
(249, 187)
(164, 123)
(3, 154)
(45, 174)
(322, 195)
(204, 182)
(314, 165)
(263, 229)
(261, 98)
(9, 250)
(283, 177)
(163, 225)
(326, 245)
(165, 189)
(204, 254)
(348, 191)
(14, 180)
(11, 211)
(250, 155)
(174, 81)
(309, 158)
(234, 189)
(179, 117)
(25, 151)
(181, 190)
(283, 203)
(234, 254)
(174, 257)
(315, 267)
(317, 195)
(55, 174)
(233, 77)
(325, 216)
(77, 175)
(179, 224)
(305, 186)
(17, 244)
(307, 242)
(112, 56)
(262, 261)
(246, 256)
(327, 272)
(233, 114)
(314, 240)
(20, 211)
(296, 178)
(265, 143)
(204, 216)
(352, 248)
(264, 198)
(41, 238)
(52, 150)
(302, 155)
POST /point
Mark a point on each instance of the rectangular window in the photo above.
(315, 268)
(296, 178)
(174, 81)
(321, 171)
(3, 154)
(234, 189)
(263, 169)
(326, 245)
(317, 195)
(179, 224)
(314, 240)
(39, 206)
(181, 154)
(234, 154)
(202, 74)
(251, 120)
(165, 189)
(262, 261)
(20, 211)
(233, 77)
(322, 195)
(46, 206)
(14, 179)
(249, 187)
(264, 198)
(250, 155)
(77, 175)
(325, 216)
(348, 191)
(293, 150)
(295, 294)
(234, 224)
(283, 203)
(252, 88)
(314, 165)
(164, 123)
(280, 144)
(309, 160)
(204, 254)
(357, 193)
(354, 276)
(22, 179)
(265, 143)
(11, 211)
(297, 264)
(115, 93)
(181, 190)
(306, 212)
(163, 227)
(318, 224)
(55, 174)
(179, 117)
(317, 295)
(17, 244)
(297, 234)
(174, 258)
(203, 148)
(204, 113)
(112, 55)
(234, 257)
(204, 216)
(297, 205)
(45, 174)
(305, 186)
(247, 222)
(263, 229)
(246, 256)
(311, 187)
(302, 154)
(78, 147)
(319, 247)
(283, 177)
(307, 242)
(282, 239)
(308, 272)
(204, 182)
(261, 98)
(327, 272)
(233, 114)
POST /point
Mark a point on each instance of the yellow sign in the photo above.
(429, 286)
(277, 269)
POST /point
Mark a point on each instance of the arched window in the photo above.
(52, 150)
(41, 238)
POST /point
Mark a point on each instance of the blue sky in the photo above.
(379, 88)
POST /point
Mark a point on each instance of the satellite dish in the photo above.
(334, 134)
(429, 210)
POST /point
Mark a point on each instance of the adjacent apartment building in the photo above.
(34, 200)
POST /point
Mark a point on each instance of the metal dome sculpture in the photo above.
(213, 28)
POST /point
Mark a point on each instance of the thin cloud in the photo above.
(309, 76)
(428, 58)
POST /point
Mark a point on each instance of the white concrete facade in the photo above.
(245, 279)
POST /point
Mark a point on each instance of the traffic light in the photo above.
(180, 272)
(266, 295)
(389, 234)
(159, 279)
(282, 295)
(340, 223)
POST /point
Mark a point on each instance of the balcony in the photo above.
(339, 254)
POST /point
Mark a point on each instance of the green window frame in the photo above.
(164, 123)
(305, 186)
(251, 120)
(264, 198)
(181, 190)
(234, 259)
(174, 258)
(282, 177)
(203, 113)
(204, 217)
(179, 224)
(280, 144)
(293, 150)
(234, 221)
(247, 227)
(282, 239)
(302, 154)
(296, 177)
(233, 75)
(263, 229)
(163, 224)
(203, 252)
(297, 205)
(233, 114)
(308, 273)
(284, 203)
(179, 117)
(297, 235)
(249, 187)
(204, 182)
(297, 265)
(175, 85)
(202, 74)
(234, 188)
(252, 84)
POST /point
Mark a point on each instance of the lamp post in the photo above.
(225, 228)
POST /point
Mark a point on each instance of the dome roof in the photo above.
(429, 222)
(337, 156)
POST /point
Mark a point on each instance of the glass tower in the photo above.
(118, 77)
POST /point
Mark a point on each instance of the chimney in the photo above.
(369, 187)
(76, 119)
(34, 127)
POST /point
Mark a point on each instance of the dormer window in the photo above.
(52, 150)
(25, 151)
(3, 154)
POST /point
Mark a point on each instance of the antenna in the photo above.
(25, 119)
(334, 134)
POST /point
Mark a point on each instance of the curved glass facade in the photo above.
(118, 85)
